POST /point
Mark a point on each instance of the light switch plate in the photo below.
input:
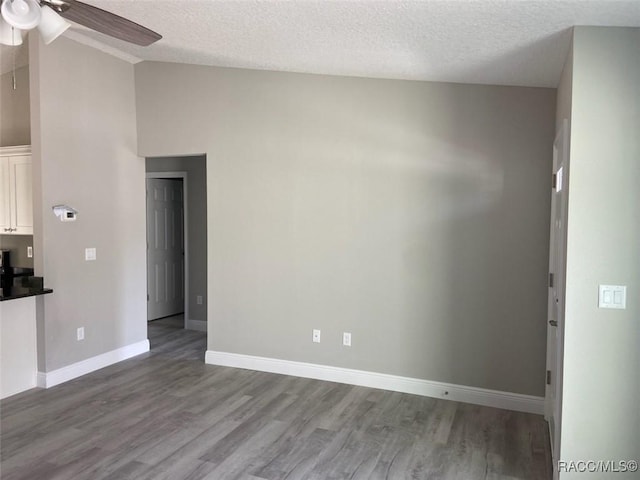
(89, 254)
(612, 296)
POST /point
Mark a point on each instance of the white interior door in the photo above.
(556, 299)
(165, 247)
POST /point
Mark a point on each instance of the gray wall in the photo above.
(196, 169)
(413, 215)
(84, 151)
(14, 109)
(600, 416)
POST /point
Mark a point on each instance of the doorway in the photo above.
(191, 170)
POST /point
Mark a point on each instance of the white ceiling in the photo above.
(503, 42)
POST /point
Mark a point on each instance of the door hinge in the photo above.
(552, 278)
(147, 297)
(548, 377)
(554, 181)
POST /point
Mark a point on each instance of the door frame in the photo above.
(185, 233)
(557, 267)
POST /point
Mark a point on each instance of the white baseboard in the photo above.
(427, 388)
(199, 325)
(75, 370)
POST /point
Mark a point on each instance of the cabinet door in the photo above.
(5, 196)
(21, 194)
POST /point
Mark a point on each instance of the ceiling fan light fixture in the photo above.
(51, 25)
(22, 14)
(9, 35)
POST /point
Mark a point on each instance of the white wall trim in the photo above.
(15, 150)
(427, 388)
(199, 325)
(75, 370)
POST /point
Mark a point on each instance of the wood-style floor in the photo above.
(167, 415)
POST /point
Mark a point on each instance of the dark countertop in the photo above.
(22, 285)
(12, 293)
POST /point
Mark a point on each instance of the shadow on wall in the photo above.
(463, 249)
(491, 247)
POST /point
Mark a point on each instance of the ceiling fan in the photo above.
(48, 16)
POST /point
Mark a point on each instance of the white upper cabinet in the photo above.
(16, 191)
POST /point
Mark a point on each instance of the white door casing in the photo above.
(556, 297)
(165, 248)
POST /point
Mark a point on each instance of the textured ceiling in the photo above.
(504, 42)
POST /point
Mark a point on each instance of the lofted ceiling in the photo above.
(501, 42)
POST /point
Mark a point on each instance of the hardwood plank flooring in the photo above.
(167, 415)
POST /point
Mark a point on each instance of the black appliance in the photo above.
(9, 273)
(5, 269)
(5, 258)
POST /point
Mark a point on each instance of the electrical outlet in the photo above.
(29, 251)
(80, 333)
(199, 299)
(346, 339)
(316, 336)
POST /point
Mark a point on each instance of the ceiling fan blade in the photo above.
(109, 23)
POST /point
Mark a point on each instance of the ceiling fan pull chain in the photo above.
(13, 62)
